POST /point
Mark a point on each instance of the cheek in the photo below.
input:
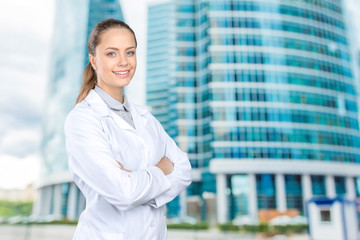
(105, 66)
(133, 63)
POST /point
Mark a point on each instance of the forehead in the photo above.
(117, 37)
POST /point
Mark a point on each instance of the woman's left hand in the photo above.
(122, 167)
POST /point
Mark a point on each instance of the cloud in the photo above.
(20, 143)
(352, 16)
(18, 172)
(26, 30)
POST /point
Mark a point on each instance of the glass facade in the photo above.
(318, 185)
(266, 191)
(340, 187)
(255, 80)
(73, 23)
(238, 195)
(293, 190)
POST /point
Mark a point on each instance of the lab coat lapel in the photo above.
(121, 122)
(99, 106)
(139, 117)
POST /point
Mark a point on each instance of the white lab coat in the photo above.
(120, 204)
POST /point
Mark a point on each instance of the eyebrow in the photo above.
(114, 48)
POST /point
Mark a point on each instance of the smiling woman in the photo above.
(120, 157)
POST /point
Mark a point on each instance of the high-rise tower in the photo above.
(58, 195)
(261, 94)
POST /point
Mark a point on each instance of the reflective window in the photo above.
(239, 195)
(293, 190)
(273, 24)
(330, 49)
(318, 185)
(283, 77)
(340, 185)
(280, 8)
(266, 192)
(284, 153)
(265, 58)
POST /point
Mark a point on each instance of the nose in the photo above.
(122, 61)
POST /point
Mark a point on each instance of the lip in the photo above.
(122, 74)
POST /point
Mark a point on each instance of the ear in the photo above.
(93, 62)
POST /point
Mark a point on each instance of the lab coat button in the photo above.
(152, 224)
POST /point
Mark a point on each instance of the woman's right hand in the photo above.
(165, 165)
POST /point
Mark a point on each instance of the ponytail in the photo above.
(88, 82)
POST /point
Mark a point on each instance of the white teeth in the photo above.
(121, 72)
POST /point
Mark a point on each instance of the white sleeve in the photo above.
(91, 160)
(180, 178)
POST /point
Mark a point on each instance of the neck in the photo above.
(115, 93)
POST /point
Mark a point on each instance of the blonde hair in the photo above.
(89, 78)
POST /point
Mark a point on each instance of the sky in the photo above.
(26, 32)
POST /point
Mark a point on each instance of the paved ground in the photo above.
(64, 232)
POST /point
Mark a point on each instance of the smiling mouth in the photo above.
(122, 72)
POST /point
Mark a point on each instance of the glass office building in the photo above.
(262, 96)
(58, 195)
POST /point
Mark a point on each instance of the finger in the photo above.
(125, 170)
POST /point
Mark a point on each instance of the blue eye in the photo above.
(111, 54)
(130, 53)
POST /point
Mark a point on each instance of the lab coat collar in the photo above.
(102, 110)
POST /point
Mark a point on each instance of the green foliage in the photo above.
(299, 228)
(197, 226)
(228, 227)
(9, 209)
(57, 222)
(264, 228)
(255, 228)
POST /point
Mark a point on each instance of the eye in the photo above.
(111, 54)
(130, 53)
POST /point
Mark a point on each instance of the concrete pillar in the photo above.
(71, 210)
(57, 200)
(45, 200)
(252, 203)
(221, 204)
(280, 192)
(306, 187)
(350, 188)
(330, 186)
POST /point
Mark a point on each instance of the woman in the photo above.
(121, 158)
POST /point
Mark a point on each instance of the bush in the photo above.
(196, 226)
(61, 221)
(288, 229)
(10, 209)
(250, 228)
(264, 228)
(228, 227)
(283, 229)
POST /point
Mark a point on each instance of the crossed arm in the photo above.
(92, 164)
